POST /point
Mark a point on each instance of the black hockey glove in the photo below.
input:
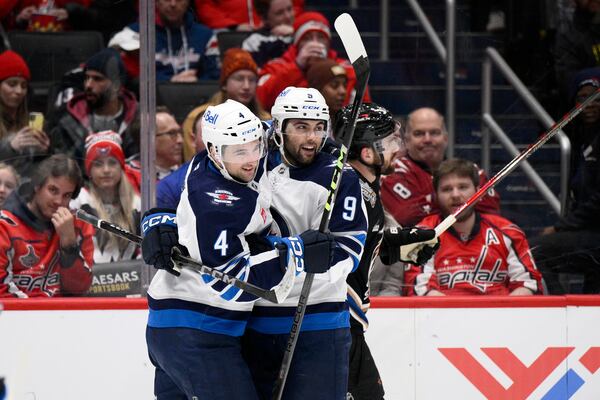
(161, 239)
(395, 238)
(319, 249)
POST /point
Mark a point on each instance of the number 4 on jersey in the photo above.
(221, 243)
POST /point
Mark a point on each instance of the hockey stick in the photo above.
(410, 250)
(346, 28)
(276, 295)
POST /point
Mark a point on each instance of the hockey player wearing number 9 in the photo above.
(300, 176)
(371, 153)
(195, 321)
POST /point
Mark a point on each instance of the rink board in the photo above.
(461, 348)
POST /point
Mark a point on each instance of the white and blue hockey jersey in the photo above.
(298, 201)
(214, 216)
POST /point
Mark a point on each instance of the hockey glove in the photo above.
(319, 250)
(159, 228)
(423, 245)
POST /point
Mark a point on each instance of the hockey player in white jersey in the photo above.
(300, 176)
(195, 321)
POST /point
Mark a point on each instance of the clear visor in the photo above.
(243, 153)
(389, 144)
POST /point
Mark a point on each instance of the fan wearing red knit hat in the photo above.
(110, 195)
(20, 145)
(239, 75)
(312, 42)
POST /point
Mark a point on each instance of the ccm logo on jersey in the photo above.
(158, 219)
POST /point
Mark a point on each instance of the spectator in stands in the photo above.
(104, 105)
(276, 34)
(106, 16)
(186, 51)
(238, 82)
(168, 190)
(408, 193)
(20, 145)
(168, 145)
(578, 46)
(110, 196)
(127, 43)
(312, 41)
(44, 250)
(571, 246)
(9, 180)
(481, 254)
(239, 15)
(329, 78)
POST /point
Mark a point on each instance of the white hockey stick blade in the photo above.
(346, 28)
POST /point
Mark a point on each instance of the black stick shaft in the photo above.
(269, 295)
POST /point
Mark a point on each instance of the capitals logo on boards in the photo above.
(525, 379)
(222, 197)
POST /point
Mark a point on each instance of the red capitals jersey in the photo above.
(408, 193)
(31, 260)
(494, 260)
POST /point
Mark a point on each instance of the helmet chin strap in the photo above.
(221, 167)
(278, 139)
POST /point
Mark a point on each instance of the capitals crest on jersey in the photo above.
(30, 259)
(222, 197)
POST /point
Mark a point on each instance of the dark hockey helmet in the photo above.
(372, 124)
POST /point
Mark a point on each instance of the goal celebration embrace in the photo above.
(299, 199)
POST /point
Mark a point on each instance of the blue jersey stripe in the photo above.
(195, 320)
(311, 322)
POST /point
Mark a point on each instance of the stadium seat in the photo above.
(229, 39)
(181, 98)
(49, 54)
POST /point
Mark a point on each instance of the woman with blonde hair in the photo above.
(20, 144)
(239, 77)
(109, 195)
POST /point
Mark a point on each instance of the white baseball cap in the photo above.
(127, 39)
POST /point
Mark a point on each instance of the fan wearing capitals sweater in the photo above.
(481, 254)
(196, 321)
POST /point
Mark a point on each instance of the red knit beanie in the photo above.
(105, 143)
(12, 64)
(234, 60)
(308, 22)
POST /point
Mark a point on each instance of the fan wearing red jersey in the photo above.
(481, 254)
(44, 250)
(407, 194)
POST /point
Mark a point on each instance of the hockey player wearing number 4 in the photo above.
(195, 321)
(371, 154)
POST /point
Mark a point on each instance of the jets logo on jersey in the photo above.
(222, 197)
(30, 259)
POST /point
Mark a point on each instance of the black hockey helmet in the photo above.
(372, 124)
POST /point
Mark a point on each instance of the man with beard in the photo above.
(407, 194)
(481, 254)
(44, 250)
(104, 105)
(371, 153)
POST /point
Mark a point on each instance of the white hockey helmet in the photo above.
(299, 103)
(230, 124)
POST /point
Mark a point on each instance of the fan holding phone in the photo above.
(22, 138)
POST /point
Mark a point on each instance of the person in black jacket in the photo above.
(572, 245)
